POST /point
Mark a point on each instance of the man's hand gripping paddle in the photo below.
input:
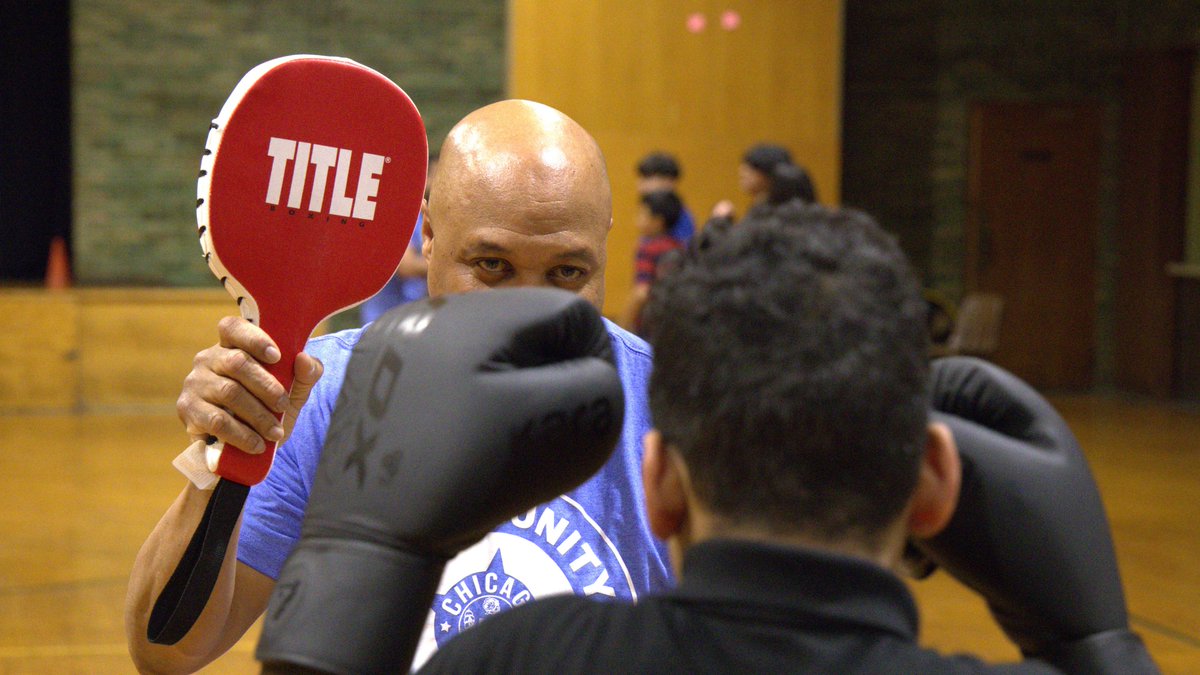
(310, 185)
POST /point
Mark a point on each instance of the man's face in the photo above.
(648, 184)
(517, 231)
(647, 223)
(751, 180)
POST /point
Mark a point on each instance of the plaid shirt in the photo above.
(649, 250)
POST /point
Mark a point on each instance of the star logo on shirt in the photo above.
(475, 597)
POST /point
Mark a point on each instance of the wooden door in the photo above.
(1033, 192)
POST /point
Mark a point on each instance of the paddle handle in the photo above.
(240, 466)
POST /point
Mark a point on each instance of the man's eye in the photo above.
(491, 265)
(567, 273)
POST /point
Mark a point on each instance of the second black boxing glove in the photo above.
(1029, 532)
(456, 414)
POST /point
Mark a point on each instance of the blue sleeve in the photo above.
(415, 240)
(275, 508)
(685, 227)
(622, 478)
(414, 288)
(398, 290)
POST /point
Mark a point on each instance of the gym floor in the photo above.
(78, 494)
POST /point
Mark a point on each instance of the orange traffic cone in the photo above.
(58, 268)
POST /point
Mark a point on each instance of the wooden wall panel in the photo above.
(639, 80)
(102, 349)
(137, 346)
(38, 350)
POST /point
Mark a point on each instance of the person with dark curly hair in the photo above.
(661, 171)
(803, 444)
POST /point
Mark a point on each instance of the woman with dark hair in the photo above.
(768, 174)
(788, 182)
(757, 168)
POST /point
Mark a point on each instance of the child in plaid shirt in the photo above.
(656, 222)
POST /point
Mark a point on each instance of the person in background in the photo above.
(409, 282)
(788, 182)
(660, 171)
(407, 285)
(769, 176)
(657, 218)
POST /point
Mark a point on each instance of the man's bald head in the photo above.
(526, 146)
(521, 197)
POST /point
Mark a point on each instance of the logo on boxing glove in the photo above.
(366, 427)
(591, 419)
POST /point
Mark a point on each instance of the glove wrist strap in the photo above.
(1118, 651)
(347, 606)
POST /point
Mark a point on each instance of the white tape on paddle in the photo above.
(193, 463)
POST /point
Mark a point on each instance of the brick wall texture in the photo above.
(149, 75)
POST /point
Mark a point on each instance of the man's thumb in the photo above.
(307, 372)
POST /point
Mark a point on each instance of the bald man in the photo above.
(521, 198)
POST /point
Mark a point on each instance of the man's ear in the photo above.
(666, 502)
(938, 483)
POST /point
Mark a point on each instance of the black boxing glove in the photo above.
(1030, 533)
(455, 415)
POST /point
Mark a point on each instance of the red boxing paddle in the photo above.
(310, 185)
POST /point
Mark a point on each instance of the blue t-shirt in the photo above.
(594, 541)
(685, 226)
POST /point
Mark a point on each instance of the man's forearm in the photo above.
(155, 563)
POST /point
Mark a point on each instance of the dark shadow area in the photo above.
(35, 135)
(889, 117)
